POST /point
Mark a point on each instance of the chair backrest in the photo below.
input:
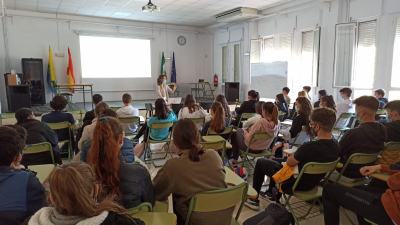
(259, 136)
(149, 109)
(303, 130)
(6, 116)
(392, 146)
(176, 108)
(358, 158)
(42, 171)
(131, 119)
(198, 120)
(316, 168)
(58, 126)
(211, 201)
(115, 108)
(226, 131)
(381, 112)
(343, 116)
(217, 145)
(238, 104)
(139, 208)
(248, 115)
(280, 113)
(161, 125)
(37, 148)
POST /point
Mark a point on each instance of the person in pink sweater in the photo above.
(269, 124)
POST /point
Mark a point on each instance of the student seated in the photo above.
(307, 89)
(369, 137)
(247, 107)
(221, 99)
(130, 182)
(393, 120)
(377, 206)
(282, 106)
(327, 101)
(324, 150)
(87, 133)
(58, 115)
(380, 95)
(196, 170)
(128, 111)
(345, 106)
(126, 148)
(22, 193)
(74, 200)
(270, 124)
(192, 110)
(38, 132)
(218, 122)
(285, 92)
(89, 115)
(321, 93)
(248, 123)
(162, 115)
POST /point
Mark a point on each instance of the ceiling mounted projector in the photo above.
(150, 7)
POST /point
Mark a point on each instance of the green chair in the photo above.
(139, 208)
(314, 194)
(218, 145)
(149, 111)
(217, 200)
(208, 94)
(79, 113)
(42, 171)
(381, 112)
(372, 223)
(265, 153)
(159, 218)
(41, 147)
(344, 129)
(138, 161)
(304, 130)
(357, 158)
(115, 108)
(130, 120)
(246, 116)
(280, 113)
(238, 104)
(198, 120)
(6, 116)
(227, 130)
(64, 125)
(148, 153)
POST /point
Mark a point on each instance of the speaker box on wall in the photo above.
(19, 97)
(232, 91)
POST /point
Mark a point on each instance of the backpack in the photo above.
(274, 214)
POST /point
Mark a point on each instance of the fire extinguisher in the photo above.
(215, 80)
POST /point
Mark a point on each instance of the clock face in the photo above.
(181, 40)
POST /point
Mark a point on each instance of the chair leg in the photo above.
(169, 151)
(309, 210)
(296, 221)
(347, 216)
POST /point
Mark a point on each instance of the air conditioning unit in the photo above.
(237, 14)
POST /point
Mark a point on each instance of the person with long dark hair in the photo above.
(327, 101)
(282, 105)
(321, 93)
(270, 125)
(196, 170)
(259, 110)
(218, 122)
(130, 182)
(162, 88)
(221, 99)
(192, 110)
(38, 132)
(247, 106)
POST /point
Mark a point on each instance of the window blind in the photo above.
(307, 57)
(286, 47)
(268, 53)
(395, 81)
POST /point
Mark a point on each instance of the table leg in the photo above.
(84, 102)
(91, 94)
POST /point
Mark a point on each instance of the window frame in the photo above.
(315, 57)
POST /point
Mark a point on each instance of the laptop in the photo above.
(174, 101)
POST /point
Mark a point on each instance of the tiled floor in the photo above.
(247, 212)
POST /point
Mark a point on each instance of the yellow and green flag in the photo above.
(51, 72)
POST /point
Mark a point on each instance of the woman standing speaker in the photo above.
(163, 88)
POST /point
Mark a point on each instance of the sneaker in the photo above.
(252, 203)
(267, 196)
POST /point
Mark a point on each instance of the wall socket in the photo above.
(59, 54)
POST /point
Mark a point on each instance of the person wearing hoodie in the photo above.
(369, 137)
(22, 194)
(192, 110)
(128, 111)
(77, 202)
(345, 106)
(270, 124)
(393, 120)
(321, 93)
(251, 121)
(378, 206)
(380, 95)
(38, 132)
(324, 150)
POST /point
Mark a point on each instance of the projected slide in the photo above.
(114, 57)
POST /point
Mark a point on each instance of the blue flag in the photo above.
(173, 70)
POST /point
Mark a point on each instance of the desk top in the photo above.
(214, 138)
(381, 176)
(232, 179)
(291, 150)
(75, 85)
(287, 123)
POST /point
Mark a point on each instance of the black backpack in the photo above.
(274, 214)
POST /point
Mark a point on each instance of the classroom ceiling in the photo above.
(182, 12)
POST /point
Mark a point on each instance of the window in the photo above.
(344, 54)
(225, 63)
(118, 57)
(269, 50)
(359, 93)
(394, 95)
(236, 63)
(310, 57)
(255, 54)
(396, 58)
(286, 48)
(365, 55)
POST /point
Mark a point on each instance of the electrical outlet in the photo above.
(60, 54)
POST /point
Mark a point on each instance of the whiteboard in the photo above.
(268, 78)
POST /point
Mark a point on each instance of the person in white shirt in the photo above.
(192, 110)
(128, 111)
(248, 123)
(163, 89)
(346, 106)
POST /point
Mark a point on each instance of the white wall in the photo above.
(29, 36)
(306, 15)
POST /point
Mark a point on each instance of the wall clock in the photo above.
(181, 40)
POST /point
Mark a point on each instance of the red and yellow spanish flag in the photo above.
(70, 72)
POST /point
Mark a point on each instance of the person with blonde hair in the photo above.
(73, 200)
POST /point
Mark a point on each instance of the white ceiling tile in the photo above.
(67, 8)
(223, 4)
(43, 5)
(198, 5)
(77, 1)
(25, 3)
(70, 4)
(26, 7)
(47, 10)
(173, 7)
(181, 3)
(212, 7)
(121, 14)
(188, 9)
